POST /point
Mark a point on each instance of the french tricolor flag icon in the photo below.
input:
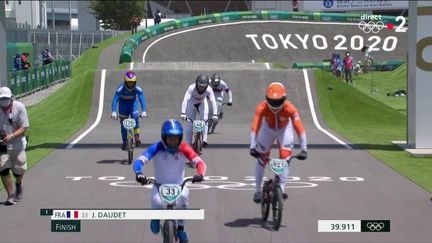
(75, 214)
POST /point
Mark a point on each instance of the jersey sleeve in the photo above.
(186, 98)
(227, 90)
(116, 99)
(211, 96)
(146, 156)
(141, 98)
(298, 126)
(193, 157)
(256, 124)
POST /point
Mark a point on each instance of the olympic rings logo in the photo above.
(225, 18)
(274, 16)
(371, 26)
(375, 226)
(326, 18)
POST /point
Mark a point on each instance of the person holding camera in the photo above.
(14, 123)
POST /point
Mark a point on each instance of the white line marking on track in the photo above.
(267, 65)
(99, 114)
(236, 23)
(314, 117)
(131, 66)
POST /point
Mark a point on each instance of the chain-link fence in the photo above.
(68, 45)
(63, 44)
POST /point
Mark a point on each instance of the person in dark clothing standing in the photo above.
(157, 17)
(17, 62)
(295, 5)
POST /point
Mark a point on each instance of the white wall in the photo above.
(27, 12)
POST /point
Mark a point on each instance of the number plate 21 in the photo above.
(278, 166)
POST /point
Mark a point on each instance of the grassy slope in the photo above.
(370, 124)
(66, 111)
(385, 82)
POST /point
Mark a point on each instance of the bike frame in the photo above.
(168, 223)
(197, 136)
(130, 138)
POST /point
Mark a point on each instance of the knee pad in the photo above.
(285, 153)
(5, 172)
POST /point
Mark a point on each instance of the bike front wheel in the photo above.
(197, 145)
(265, 203)
(130, 151)
(168, 231)
(277, 206)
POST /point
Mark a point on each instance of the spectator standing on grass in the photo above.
(13, 126)
(25, 63)
(334, 63)
(134, 23)
(157, 17)
(17, 62)
(348, 66)
(339, 67)
(47, 58)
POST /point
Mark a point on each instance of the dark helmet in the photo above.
(201, 83)
(215, 81)
(171, 127)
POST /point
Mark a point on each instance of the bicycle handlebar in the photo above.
(288, 160)
(153, 181)
(192, 120)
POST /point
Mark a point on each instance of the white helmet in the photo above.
(5, 92)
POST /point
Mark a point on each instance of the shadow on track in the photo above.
(252, 222)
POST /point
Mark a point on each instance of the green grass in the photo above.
(384, 83)
(66, 111)
(370, 123)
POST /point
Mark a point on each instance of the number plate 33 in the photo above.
(170, 192)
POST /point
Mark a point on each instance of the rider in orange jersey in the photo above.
(274, 119)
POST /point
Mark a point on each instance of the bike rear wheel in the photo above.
(277, 207)
(213, 127)
(265, 203)
(210, 125)
(168, 231)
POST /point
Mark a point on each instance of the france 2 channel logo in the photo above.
(328, 3)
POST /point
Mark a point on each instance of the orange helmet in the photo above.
(275, 95)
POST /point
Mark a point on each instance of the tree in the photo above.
(116, 15)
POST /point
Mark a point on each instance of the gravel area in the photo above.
(38, 96)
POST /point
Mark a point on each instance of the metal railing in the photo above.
(63, 44)
(28, 81)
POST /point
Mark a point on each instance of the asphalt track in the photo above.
(230, 215)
